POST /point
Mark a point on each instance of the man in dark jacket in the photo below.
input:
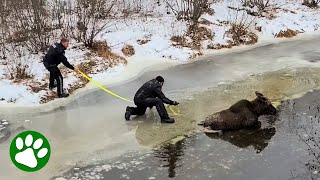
(149, 95)
(55, 56)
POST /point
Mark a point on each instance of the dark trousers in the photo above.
(55, 75)
(142, 106)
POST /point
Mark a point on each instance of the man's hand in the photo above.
(175, 103)
(76, 69)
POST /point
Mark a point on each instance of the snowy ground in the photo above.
(156, 31)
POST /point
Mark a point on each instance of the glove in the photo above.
(175, 103)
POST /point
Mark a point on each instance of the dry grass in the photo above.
(144, 40)
(51, 95)
(260, 4)
(179, 41)
(196, 54)
(240, 31)
(17, 62)
(258, 28)
(196, 34)
(102, 49)
(19, 73)
(241, 34)
(18, 37)
(205, 22)
(37, 86)
(237, 31)
(219, 46)
(18, 70)
(48, 97)
(311, 3)
(76, 86)
(250, 38)
(199, 33)
(287, 33)
(87, 68)
(128, 50)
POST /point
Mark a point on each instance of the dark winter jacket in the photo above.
(151, 89)
(55, 56)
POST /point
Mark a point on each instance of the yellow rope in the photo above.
(114, 94)
(103, 88)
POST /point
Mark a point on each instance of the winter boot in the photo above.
(128, 113)
(64, 95)
(167, 120)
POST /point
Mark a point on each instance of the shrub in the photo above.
(128, 50)
(311, 3)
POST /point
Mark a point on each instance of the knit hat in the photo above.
(160, 79)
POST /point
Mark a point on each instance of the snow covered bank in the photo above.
(152, 40)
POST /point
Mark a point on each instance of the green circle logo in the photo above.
(30, 151)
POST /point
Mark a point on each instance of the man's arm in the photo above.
(160, 95)
(64, 61)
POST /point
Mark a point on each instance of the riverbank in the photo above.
(276, 59)
(156, 51)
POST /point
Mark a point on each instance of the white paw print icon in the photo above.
(30, 153)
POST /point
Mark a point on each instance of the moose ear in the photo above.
(259, 94)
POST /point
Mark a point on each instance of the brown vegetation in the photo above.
(287, 33)
(128, 50)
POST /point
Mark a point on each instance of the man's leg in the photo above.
(59, 79)
(149, 102)
(160, 108)
(51, 76)
(139, 110)
(52, 81)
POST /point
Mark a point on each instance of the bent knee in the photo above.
(158, 101)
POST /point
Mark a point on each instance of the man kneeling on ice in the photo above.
(149, 95)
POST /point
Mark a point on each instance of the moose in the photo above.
(243, 114)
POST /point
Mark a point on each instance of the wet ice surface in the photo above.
(198, 158)
(98, 146)
(273, 152)
(91, 131)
